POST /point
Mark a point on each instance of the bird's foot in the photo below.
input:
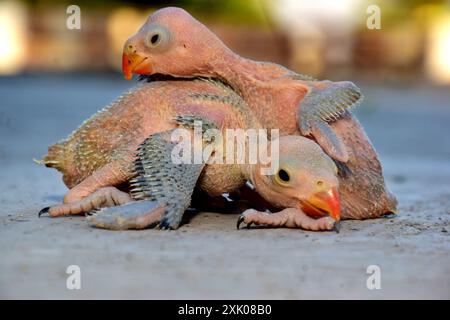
(289, 218)
(133, 215)
(104, 197)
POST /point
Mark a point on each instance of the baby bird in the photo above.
(100, 156)
(172, 42)
(304, 185)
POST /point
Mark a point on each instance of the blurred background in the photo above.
(318, 37)
(60, 61)
(322, 37)
(52, 77)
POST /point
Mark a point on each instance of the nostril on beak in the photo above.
(129, 49)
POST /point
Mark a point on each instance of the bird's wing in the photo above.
(326, 101)
(162, 186)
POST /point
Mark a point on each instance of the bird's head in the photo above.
(306, 178)
(170, 42)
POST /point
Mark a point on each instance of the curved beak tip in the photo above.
(334, 203)
(327, 201)
(135, 63)
(126, 67)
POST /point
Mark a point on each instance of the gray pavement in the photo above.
(209, 258)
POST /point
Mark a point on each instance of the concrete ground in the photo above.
(208, 258)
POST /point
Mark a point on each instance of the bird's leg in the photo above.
(110, 175)
(103, 197)
(290, 218)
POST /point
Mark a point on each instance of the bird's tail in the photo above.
(56, 157)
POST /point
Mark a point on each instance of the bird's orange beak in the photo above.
(324, 202)
(135, 63)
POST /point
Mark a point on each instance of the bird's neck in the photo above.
(244, 75)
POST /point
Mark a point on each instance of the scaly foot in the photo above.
(104, 197)
(134, 215)
(290, 218)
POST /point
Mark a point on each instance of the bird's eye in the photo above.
(158, 37)
(282, 177)
(154, 39)
(319, 183)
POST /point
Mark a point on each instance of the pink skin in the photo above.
(133, 215)
(290, 218)
(100, 153)
(268, 88)
(273, 95)
(95, 190)
(109, 175)
(103, 197)
(110, 196)
(311, 184)
(311, 177)
(102, 138)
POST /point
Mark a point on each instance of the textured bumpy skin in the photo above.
(278, 97)
(101, 153)
(162, 190)
(111, 136)
(362, 187)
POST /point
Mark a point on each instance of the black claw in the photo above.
(389, 215)
(164, 225)
(337, 226)
(240, 220)
(44, 210)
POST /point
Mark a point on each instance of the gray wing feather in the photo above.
(159, 179)
(327, 103)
